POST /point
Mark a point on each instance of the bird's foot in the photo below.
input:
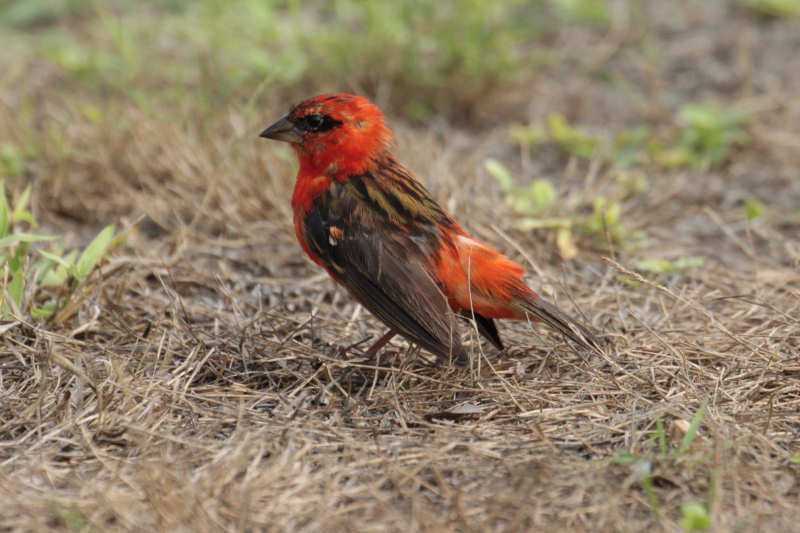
(349, 351)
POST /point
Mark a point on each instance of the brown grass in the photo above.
(201, 388)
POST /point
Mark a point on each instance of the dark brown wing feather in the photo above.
(486, 327)
(560, 321)
(382, 265)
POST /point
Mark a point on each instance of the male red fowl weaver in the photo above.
(363, 217)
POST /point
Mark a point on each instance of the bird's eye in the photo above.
(315, 122)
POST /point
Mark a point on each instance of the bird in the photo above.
(379, 233)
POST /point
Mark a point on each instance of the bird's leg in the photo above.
(372, 350)
(369, 355)
(380, 343)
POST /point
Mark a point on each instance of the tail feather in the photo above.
(572, 328)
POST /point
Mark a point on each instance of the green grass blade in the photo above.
(500, 173)
(661, 436)
(16, 287)
(94, 252)
(692, 432)
(4, 220)
(53, 257)
(20, 208)
(16, 238)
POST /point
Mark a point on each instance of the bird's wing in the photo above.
(382, 265)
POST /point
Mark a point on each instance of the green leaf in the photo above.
(661, 435)
(612, 214)
(94, 252)
(11, 160)
(795, 459)
(625, 458)
(571, 139)
(11, 240)
(633, 183)
(699, 116)
(57, 276)
(46, 311)
(661, 266)
(708, 134)
(93, 112)
(521, 204)
(53, 278)
(629, 144)
(500, 173)
(589, 11)
(630, 282)
(16, 287)
(565, 243)
(53, 257)
(753, 208)
(599, 205)
(4, 219)
(72, 516)
(658, 266)
(692, 432)
(25, 216)
(527, 136)
(419, 110)
(695, 517)
(775, 8)
(21, 214)
(542, 193)
(70, 259)
(670, 157)
(683, 263)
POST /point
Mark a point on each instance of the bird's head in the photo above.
(335, 134)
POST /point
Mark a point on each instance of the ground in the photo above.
(200, 381)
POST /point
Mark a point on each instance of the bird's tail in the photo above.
(537, 308)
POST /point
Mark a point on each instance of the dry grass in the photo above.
(201, 387)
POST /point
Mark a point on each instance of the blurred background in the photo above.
(141, 98)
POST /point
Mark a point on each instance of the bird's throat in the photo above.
(307, 188)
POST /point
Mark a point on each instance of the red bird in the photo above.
(363, 217)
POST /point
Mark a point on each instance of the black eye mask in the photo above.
(316, 123)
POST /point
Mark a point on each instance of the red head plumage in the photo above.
(334, 134)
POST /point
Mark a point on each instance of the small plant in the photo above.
(15, 249)
(588, 11)
(605, 219)
(643, 469)
(775, 8)
(71, 515)
(571, 139)
(26, 279)
(11, 160)
(531, 200)
(630, 146)
(694, 516)
(535, 201)
(665, 266)
(753, 209)
(706, 137)
(627, 149)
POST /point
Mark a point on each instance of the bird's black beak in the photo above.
(283, 130)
